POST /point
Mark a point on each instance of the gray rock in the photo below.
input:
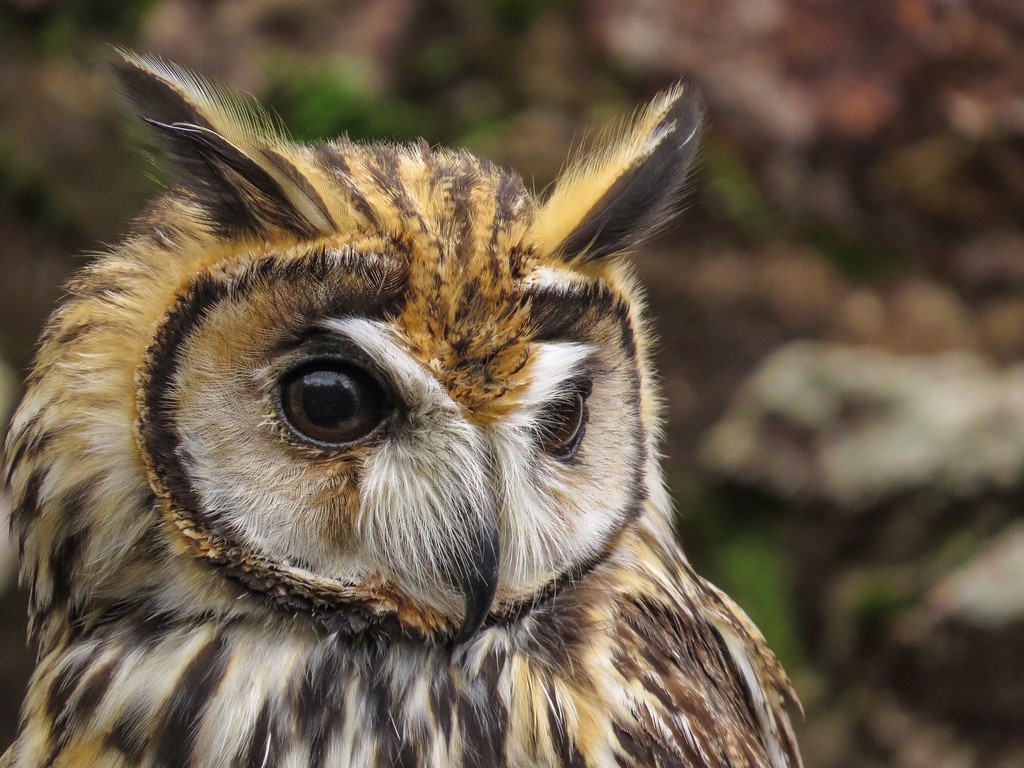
(856, 427)
(986, 592)
(959, 653)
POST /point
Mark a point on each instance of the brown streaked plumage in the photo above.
(348, 457)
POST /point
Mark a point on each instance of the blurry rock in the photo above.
(992, 262)
(914, 742)
(862, 316)
(928, 317)
(552, 63)
(898, 467)
(855, 427)
(752, 94)
(929, 175)
(808, 189)
(854, 107)
(1001, 323)
(800, 288)
(962, 650)
(986, 592)
(722, 279)
(917, 316)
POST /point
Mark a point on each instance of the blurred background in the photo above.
(841, 307)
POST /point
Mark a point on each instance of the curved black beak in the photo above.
(478, 580)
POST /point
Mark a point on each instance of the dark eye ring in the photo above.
(563, 424)
(333, 402)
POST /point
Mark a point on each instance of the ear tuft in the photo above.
(613, 200)
(230, 155)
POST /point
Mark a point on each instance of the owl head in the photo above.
(359, 385)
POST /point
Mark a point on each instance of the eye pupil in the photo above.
(329, 398)
(331, 402)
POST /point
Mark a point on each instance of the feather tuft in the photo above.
(232, 157)
(611, 201)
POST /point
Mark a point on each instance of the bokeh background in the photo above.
(841, 307)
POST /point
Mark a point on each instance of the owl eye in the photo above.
(333, 402)
(563, 424)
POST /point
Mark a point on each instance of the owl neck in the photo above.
(558, 684)
(163, 691)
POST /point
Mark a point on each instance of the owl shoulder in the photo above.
(703, 688)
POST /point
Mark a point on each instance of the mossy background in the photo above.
(862, 182)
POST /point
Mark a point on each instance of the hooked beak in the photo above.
(478, 580)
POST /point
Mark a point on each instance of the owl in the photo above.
(348, 456)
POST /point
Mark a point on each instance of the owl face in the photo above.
(296, 409)
(372, 383)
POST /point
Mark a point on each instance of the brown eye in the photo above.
(563, 425)
(333, 402)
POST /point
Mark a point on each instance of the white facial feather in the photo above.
(424, 489)
(542, 533)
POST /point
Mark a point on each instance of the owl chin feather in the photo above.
(347, 456)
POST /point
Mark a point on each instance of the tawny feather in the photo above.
(610, 200)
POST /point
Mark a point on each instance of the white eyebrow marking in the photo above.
(415, 385)
(552, 364)
(546, 279)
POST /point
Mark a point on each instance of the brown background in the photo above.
(862, 184)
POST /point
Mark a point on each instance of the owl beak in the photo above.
(479, 582)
